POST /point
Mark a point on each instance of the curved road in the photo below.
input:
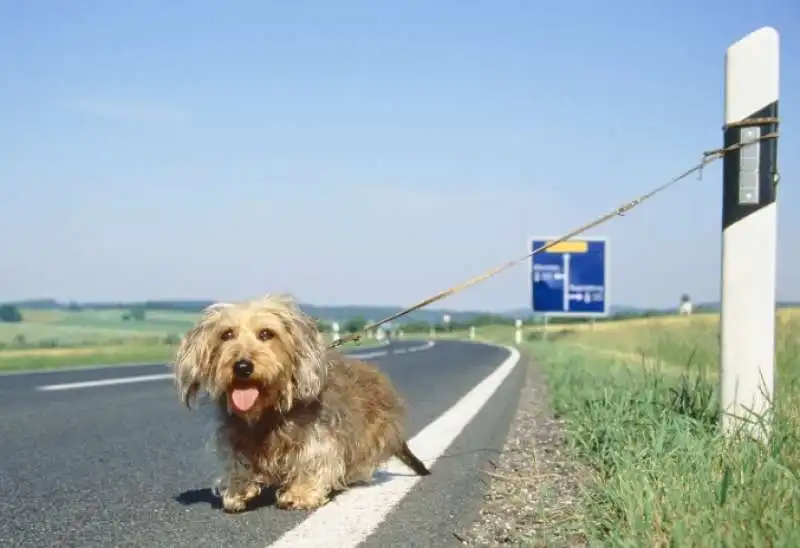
(109, 457)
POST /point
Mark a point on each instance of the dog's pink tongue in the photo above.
(244, 398)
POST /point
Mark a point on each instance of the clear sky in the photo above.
(367, 152)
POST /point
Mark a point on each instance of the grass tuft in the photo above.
(663, 474)
(640, 405)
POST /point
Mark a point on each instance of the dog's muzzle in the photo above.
(243, 369)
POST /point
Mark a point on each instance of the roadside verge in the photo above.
(533, 488)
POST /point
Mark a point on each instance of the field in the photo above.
(639, 402)
(56, 338)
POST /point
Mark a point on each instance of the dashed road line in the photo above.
(105, 382)
(162, 376)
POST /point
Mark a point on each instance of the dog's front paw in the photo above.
(233, 504)
(237, 502)
(300, 499)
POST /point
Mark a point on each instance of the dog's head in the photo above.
(255, 356)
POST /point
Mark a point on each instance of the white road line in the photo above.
(105, 382)
(354, 515)
(76, 368)
(371, 354)
(368, 355)
(80, 368)
(162, 376)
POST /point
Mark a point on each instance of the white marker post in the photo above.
(472, 332)
(565, 274)
(749, 232)
(446, 320)
(518, 331)
(335, 328)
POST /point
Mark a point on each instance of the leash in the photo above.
(708, 158)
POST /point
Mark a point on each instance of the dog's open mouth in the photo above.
(243, 398)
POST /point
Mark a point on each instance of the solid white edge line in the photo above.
(355, 514)
(162, 376)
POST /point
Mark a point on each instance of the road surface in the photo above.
(109, 457)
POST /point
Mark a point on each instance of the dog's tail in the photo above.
(410, 459)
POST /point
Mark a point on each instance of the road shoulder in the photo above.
(533, 488)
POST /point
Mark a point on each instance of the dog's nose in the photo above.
(243, 369)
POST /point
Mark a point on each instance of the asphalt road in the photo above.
(99, 464)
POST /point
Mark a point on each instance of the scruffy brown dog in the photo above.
(293, 414)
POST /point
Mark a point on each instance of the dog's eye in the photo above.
(265, 335)
(226, 335)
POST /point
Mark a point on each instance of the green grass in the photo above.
(641, 413)
(57, 339)
(111, 355)
(62, 329)
(33, 335)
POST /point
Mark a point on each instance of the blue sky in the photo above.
(367, 152)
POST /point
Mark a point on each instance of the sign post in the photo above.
(749, 232)
(570, 279)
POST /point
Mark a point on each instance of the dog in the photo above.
(293, 415)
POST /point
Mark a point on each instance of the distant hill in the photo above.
(345, 313)
(327, 313)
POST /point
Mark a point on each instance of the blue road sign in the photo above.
(570, 278)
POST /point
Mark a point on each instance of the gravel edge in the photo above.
(533, 491)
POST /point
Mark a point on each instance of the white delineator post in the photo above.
(335, 329)
(472, 332)
(518, 331)
(749, 232)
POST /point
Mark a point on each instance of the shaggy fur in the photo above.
(292, 414)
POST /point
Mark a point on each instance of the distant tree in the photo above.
(417, 327)
(73, 306)
(354, 325)
(322, 325)
(10, 314)
(136, 313)
(172, 339)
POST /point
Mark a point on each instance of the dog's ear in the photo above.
(191, 361)
(310, 368)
